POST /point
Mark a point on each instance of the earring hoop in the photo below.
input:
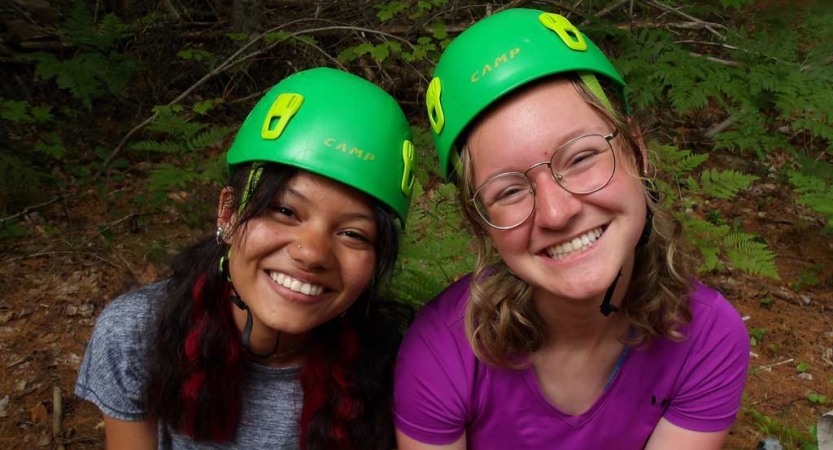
(219, 235)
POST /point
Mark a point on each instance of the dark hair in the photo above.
(196, 360)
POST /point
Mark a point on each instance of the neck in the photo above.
(579, 323)
(289, 351)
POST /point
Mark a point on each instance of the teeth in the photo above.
(577, 244)
(296, 285)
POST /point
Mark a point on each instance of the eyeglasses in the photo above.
(581, 166)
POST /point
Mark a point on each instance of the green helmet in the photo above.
(337, 125)
(499, 54)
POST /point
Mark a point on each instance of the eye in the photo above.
(357, 235)
(583, 157)
(503, 191)
(282, 210)
(510, 194)
(358, 239)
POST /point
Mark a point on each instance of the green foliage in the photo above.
(750, 256)
(658, 70)
(809, 277)
(816, 398)
(436, 248)
(737, 4)
(778, 73)
(424, 47)
(756, 335)
(812, 183)
(27, 149)
(185, 143)
(724, 184)
(411, 9)
(802, 367)
(789, 437)
(716, 241)
(96, 68)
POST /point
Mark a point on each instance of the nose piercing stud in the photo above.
(299, 245)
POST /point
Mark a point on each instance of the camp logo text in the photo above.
(499, 60)
(349, 150)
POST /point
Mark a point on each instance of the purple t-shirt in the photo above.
(442, 390)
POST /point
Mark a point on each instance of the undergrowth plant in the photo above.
(181, 150)
(437, 248)
(768, 79)
(97, 67)
(788, 437)
(682, 189)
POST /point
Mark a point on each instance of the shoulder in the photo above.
(131, 312)
(434, 370)
(439, 330)
(112, 374)
(449, 307)
(713, 363)
(713, 315)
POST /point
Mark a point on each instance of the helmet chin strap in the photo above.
(247, 329)
(606, 307)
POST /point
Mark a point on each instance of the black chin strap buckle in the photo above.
(607, 307)
(247, 329)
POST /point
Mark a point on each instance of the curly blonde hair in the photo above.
(502, 323)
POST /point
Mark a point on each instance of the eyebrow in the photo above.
(346, 216)
(578, 132)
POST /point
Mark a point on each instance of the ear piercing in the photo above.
(219, 235)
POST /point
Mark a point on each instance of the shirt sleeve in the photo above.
(431, 381)
(709, 395)
(112, 375)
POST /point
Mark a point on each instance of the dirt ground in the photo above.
(80, 255)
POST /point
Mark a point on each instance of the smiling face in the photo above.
(305, 260)
(572, 246)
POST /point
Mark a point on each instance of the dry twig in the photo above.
(707, 25)
(57, 416)
(29, 209)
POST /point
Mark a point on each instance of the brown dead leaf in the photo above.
(149, 274)
(38, 414)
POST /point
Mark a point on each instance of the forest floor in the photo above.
(78, 256)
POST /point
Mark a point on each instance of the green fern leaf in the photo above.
(753, 257)
(208, 138)
(159, 146)
(724, 184)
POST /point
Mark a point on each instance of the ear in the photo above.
(226, 216)
(640, 142)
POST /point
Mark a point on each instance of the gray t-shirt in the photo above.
(113, 377)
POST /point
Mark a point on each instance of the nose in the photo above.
(311, 249)
(554, 205)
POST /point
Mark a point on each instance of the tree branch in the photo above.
(707, 25)
(605, 11)
(29, 209)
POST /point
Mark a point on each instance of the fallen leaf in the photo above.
(38, 414)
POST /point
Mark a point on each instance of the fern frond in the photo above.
(174, 125)
(814, 191)
(753, 257)
(724, 184)
(158, 146)
(208, 138)
(165, 177)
